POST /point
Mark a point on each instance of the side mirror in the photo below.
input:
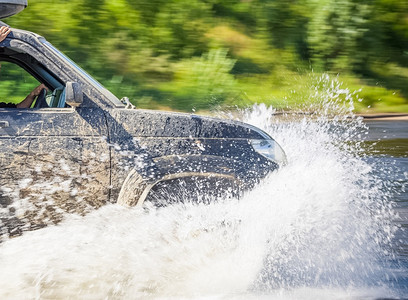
(11, 7)
(73, 94)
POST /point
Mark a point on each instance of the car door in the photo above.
(57, 159)
(53, 162)
(13, 153)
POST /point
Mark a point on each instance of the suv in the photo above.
(80, 147)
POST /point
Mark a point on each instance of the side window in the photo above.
(15, 83)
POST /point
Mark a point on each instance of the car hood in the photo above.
(149, 123)
(11, 7)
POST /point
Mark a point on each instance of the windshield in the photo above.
(84, 74)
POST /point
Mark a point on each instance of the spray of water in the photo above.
(318, 228)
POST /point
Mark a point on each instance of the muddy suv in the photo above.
(79, 147)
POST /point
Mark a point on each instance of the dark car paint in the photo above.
(58, 160)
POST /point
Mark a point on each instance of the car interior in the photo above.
(19, 66)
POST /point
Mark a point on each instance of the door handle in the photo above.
(4, 124)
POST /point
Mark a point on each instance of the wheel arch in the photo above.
(136, 187)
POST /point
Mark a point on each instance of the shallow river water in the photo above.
(329, 225)
(391, 148)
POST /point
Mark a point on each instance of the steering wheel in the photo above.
(40, 102)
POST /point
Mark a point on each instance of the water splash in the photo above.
(333, 219)
(321, 227)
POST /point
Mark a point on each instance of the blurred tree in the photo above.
(286, 23)
(180, 28)
(203, 82)
(177, 49)
(389, 25)
(336, 34)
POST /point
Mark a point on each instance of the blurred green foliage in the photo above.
(15, 83)
(186, 54)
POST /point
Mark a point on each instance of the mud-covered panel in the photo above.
(143, 123)
(13, 157)
(155, 158)
(53, 122)
(62, 166)
(237, 154)
(57, 176)
(138, 136)
(127, 155)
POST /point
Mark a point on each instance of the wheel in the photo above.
(193, 189)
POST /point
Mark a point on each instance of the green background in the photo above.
(205, 54)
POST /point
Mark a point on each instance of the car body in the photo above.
(85, 148)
